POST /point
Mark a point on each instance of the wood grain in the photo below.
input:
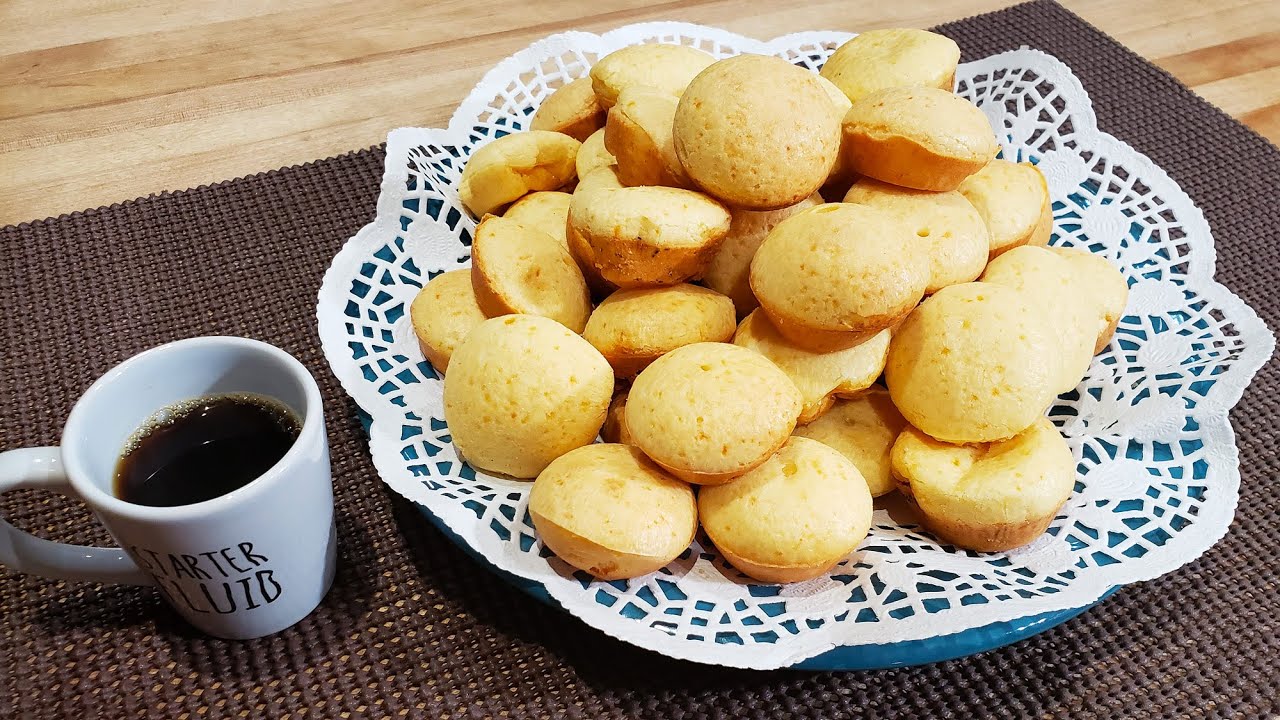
(107, 100)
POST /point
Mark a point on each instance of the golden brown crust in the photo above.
(976, 362)
(585, 256)
(627, 363)
(638, 135)
(628, 261)
(834, 275)
(1104, 338)
(607, 509)
(947, 223)
(729, 272)
(1013, 200)
(801, 512)
(579, 551)
(917, 137)
(814, 339)
(632, 328)
(1043, 230)
(646, 236)
(988, 537)
(774, 573)
(708, 412)
(985, 496)
(523, 390)
(546, 210)
(572, 109)
(615, 422)
(902, 161)
(487, 297)
(438, 360)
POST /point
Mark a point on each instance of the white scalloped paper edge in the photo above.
(385, 443)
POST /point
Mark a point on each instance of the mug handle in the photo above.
(40, 468)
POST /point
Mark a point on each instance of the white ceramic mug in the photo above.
(246, 564)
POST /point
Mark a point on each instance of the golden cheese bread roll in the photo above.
(890, 58)
(609, 510)
(443, 313)
(757, 132)
(666, 68)
(615, 422)
(638, 133)
(986, 496)
(511, 166)
(1101, 282)
(572, 109)
(792, 518)
(975, 362)
(632, 328)
(522, 390)
(862, 429)
(592, 155)
(729, 272)
(955, 233)
(519, 269)
(709, 412)
(819, 376)
(601, 177)
(921, 138)
(834, 275)
(1013, 200)
(648, 236)
(1049, 281)
(547, 211)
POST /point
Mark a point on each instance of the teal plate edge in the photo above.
(854, 657)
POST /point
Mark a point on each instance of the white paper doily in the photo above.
(1157, 462)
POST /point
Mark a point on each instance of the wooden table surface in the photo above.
(107, 100)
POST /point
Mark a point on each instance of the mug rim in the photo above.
(97, 498)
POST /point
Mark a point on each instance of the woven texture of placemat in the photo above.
(414, 628)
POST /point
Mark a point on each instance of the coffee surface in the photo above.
(204, 448)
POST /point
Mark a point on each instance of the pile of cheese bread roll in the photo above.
(712, 263)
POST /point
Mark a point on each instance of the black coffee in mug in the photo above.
(201, 449)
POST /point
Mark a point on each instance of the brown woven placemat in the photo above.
(413, 628)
